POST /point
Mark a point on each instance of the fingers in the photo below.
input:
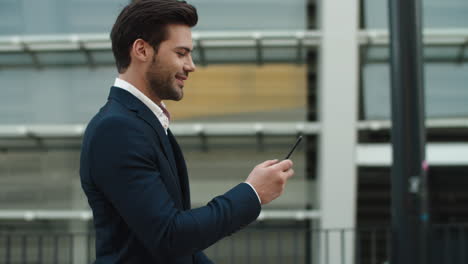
(284, 165)
(289, 173)
(268, 163)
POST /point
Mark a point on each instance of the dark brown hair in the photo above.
(147, 19)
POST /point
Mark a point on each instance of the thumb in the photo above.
(268, 163)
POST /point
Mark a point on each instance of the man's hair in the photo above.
(148, 20)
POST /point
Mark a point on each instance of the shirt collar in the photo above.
(156, 109)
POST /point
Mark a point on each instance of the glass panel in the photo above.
(53, 95)
(376, 54)
(62, 58)
(250, 14)
(234, 92)
(248, 55)
(28, 177)
(15, 59)
(88, 16)
(446, 91)
(282, 55)
(231, 54)
(243, 93)
(12, 20)
(441, 53)
(465, 58)
(431, 54)
(103, 57)
(437, 14)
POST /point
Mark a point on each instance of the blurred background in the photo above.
(267, 71)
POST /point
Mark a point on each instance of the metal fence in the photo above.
(260, 243)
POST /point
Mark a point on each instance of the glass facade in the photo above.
(445, 66)
(231, 85)
(436, 14)
(22, 17)
(65, 90)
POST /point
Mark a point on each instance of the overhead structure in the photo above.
(210, 47)
(219, 47)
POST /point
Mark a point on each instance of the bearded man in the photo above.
(132, 169)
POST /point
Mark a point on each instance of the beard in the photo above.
(161, 82)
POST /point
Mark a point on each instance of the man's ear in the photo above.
(141, 51)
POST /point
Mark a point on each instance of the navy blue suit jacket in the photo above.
(135, 179)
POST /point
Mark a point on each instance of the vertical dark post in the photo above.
(409, 189)
(248, 247)
(8, 249)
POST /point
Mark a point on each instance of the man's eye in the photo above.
(181, 53)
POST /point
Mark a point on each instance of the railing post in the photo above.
(40, 248)
(24, 247)
(8, 249)
(463, 233)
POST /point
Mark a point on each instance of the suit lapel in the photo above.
(149, 117)
(145, 113)
(182, 170)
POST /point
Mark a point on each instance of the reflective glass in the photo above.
(437, 13)
(62, 58)
(441, 53)
(15, 59)
(446, 92)
(103, 57)
(235, 54)
(89, 16)
(70, 95)
(376, 54)
(431, 54)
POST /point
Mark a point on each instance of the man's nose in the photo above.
(189, 66)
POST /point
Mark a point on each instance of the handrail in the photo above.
(184, 129)
(86, 215)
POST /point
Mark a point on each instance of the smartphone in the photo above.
(294, 147)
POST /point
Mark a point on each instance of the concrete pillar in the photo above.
(338, 114)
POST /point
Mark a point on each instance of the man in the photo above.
(132, 169)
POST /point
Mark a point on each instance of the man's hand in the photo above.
(269, 178)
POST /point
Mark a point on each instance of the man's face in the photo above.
(171, 64)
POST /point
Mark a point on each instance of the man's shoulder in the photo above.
(112, 118)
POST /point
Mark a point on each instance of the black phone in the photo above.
(294, 147)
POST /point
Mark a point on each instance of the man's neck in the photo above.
(140, 83)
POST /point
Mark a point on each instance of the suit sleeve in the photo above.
(124, 168)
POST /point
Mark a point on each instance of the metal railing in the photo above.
(260, 243)
(30, 137)
(46, 131)
(86, 215)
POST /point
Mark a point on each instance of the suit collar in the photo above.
(157, 109)
(125, 98)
